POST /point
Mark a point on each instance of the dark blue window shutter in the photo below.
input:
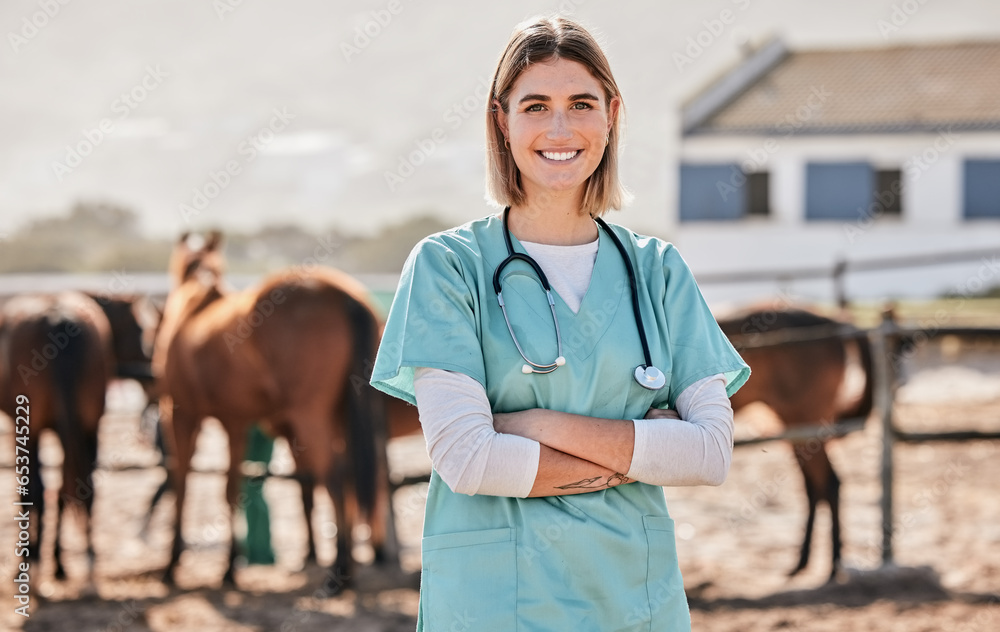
(982, 188)
(712, 192)
(838, 190)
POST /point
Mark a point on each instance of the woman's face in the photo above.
(557, 122)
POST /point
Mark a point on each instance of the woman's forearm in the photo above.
(608, 443)
(561, 474)
(660, 450)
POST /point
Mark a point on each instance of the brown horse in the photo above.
(56, 352)
(285, 353)
(134, 321)
(801, 382)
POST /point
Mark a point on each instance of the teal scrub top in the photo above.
(597, 561)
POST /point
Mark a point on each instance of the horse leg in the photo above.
(157, 495)
(342, 569)
(822, 484)
(308, 483)
(90, 447)
(382, 520)
(810, 474)
(237, 452)
(60, 571)
(383, 528)
(35, 496)
(184, 431)
(833, 499)
(151, 419)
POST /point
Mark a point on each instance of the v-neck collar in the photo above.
(582, 330)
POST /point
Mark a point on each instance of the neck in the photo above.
(554, 222)
(183, 302)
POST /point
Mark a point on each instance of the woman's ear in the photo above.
(613, 107)
(500, 117)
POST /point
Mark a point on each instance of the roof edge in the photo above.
(734, 83)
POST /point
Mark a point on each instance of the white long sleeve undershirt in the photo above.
(468, 454)
(696, 449)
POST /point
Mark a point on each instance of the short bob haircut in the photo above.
(542, 39)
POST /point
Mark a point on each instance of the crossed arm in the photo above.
(578, 454)
(546, 453)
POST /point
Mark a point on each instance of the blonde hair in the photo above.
(542, 39)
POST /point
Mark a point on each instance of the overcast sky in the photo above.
(238, 113)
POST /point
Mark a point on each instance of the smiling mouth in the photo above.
(559, 155)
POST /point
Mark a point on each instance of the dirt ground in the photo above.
(736, 542)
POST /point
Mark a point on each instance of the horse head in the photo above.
(197, 257)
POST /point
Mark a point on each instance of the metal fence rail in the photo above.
(840, 268)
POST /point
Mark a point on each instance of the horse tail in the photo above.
(68, 366)
(863, 407)
(365, 410)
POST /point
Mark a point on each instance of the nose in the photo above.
(559, 129)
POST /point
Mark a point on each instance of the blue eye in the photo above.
(534, 107)
(581, 105)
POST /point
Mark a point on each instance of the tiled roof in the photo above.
(899, 89)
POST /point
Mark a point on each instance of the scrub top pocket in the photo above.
(472, 601)
(668, 607)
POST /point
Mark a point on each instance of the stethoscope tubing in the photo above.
(633, 284)
(518, 256)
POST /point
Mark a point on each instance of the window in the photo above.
(757, 194)
(889, 191)
(722, 192)
(838, 190)
(982, 189)
(849, 190)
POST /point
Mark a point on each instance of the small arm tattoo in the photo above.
(598, 482)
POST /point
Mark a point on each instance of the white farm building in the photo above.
(800, 160)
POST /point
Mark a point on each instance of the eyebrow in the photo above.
(584, 96)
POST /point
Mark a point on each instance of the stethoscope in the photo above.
(647, 375)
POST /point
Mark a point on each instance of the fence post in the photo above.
(883, 346)
(839, 288)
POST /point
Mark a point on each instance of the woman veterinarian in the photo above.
(549, 416)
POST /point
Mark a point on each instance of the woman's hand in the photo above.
(662, 413)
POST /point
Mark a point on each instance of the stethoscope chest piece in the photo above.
(650, 377)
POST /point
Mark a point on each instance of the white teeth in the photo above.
(562, 155)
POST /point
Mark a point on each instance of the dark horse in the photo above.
(133, 320)
(291, 352)
(801, 382)
(56, 352)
